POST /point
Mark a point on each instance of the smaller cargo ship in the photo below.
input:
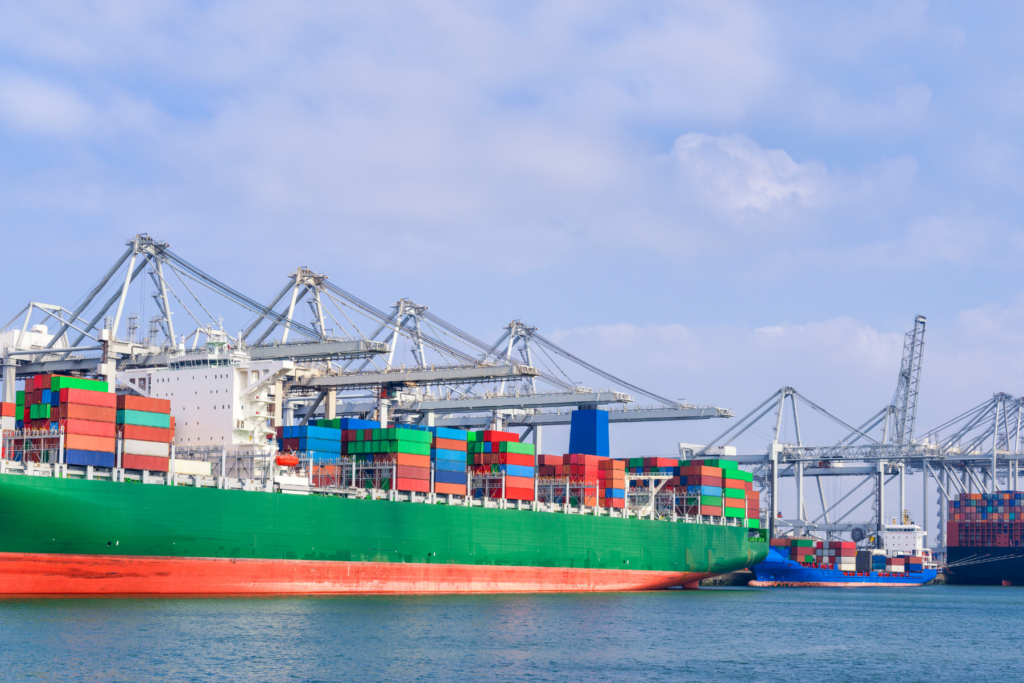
(796, 562)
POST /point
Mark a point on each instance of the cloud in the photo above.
(33, 105)
(906, 107)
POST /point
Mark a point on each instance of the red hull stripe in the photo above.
(45, 574)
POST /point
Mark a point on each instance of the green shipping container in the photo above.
(753, 524)
(735, 493)
(724, 464)
(737, 513)
(514, 447)
(715, 501)
(60, 382)
(737, 475)
(802, 543)
(19, 413)
(141, 419)
(20, 398)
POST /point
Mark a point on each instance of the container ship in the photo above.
(800, 562)
(985, 538)
(102, 494)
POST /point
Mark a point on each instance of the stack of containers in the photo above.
(320, 443)
(913, 563)
(8, 416)
(611, 476)
(87, 412)
(986, 520)
(410, 450)
(495, 452)
(448, 453)
(802, 550)
(146, 433)
(582, 470)
(407, 449)
(19, 410)
(878, 563)
(896, 565)
(549, 465)
(704, 485)
(840, 555)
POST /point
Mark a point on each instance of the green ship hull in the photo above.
(72, 536)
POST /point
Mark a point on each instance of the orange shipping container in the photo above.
(455, 489)
(451, 444)
(137, 433)
(409, 460)
(711, 510)
(8, 409)
(88, 398)
(72, 411)
(90, 428)
(146, 405)
(89, 443)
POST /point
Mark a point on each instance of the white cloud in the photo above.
(34, 105)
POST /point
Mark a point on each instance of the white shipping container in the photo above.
(151, 448)
(7, 423)
(192, 467)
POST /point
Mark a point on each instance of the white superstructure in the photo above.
(903, 539)
(219, 397)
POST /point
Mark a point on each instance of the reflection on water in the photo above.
(905, 634)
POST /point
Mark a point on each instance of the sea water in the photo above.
(934, 633)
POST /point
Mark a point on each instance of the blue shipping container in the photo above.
(445, 477)
(322, 445)
(705, 490)
(516, 470)
(449, 433)
(447, 454)
(450, 465)
(94, 458)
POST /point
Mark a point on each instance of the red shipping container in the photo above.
(451, 444)
(42, 382)
(417, 485)
(613, 465)
(144, 462)
(405, 472)
(90, 428)
(29, 385)
(555, 460)
(88, 398)
(518, 482)
(514, 493)
(290, 445)
(701, 471)
(143, 404)
(410, 460)
(280, 433)
(454, 489)
(138, 433)
(614, 503)
(953, 534)
(71, 411)
(515, 459)
(715, 510)
(493, 436)
(89, 443)
(8, 409)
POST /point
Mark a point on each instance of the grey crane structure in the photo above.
(334, 350)
(971, 452)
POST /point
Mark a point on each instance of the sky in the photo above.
(710, 199)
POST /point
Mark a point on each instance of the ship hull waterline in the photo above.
(87, 575)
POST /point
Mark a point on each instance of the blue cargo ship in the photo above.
(778, 570)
